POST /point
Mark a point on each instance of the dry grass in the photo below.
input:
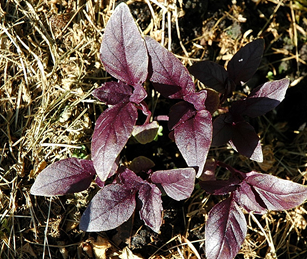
(49, 64)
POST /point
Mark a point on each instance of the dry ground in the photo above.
(49, 64)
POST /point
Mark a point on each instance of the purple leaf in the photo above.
(222, 130)
(112, 131)
(141, 164)
(139, 94)
(211, 74)
(169, 76)
(123, 50)
(177, 183)
(276, 193)
(220, 187)
(209, 170)
(249, 199)
(130, 180)
(246, 141)
(197, 99)
(113, 92)
(145, 133)
(213, 100)
(193, 139)
(65, 176)
(179, 113)
(111, 206)
(265, 98)
(225, 230)
(151, 211)
(245, 62)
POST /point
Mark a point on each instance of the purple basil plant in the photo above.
(133, 60)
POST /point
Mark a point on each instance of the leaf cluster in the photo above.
(135, 60)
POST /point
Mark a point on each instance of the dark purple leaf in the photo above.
(113, 92)
(245, 62)
(65, 176)
(276, 193)
(213, 100)
(177, 183)
(246, 141)
(168, 74)
(141, 164)
(209, 170)
(179, 113)
(139, 94)
(222, 131)
(265, 98)
(151, 211)
(249, 199)
(145, 133)
(123, 50)
(225, 230)
(111, 206)
(130, 180)
(197, 99)
(112, 131)
(211, 74)
(193, 139)
(220, 187)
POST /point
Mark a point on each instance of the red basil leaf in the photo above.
(177, 183)
(249, 199)
(246, 141)
(225, 230)
(113, 92)
(276, 193)
(151, 211)
(112, 131)
(245, 62)
(65, 176)
(168, 74)
(193, 139)
(123, 50)
(265, 98)
(211, 74)
(222, 131)
(111, 206)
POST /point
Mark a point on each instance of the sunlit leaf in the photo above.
(225, 230)
(193, 139)
(167, 73)
(65, 176)
(111, 206)
(177, 183)
(110, 135)
(123, 50)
